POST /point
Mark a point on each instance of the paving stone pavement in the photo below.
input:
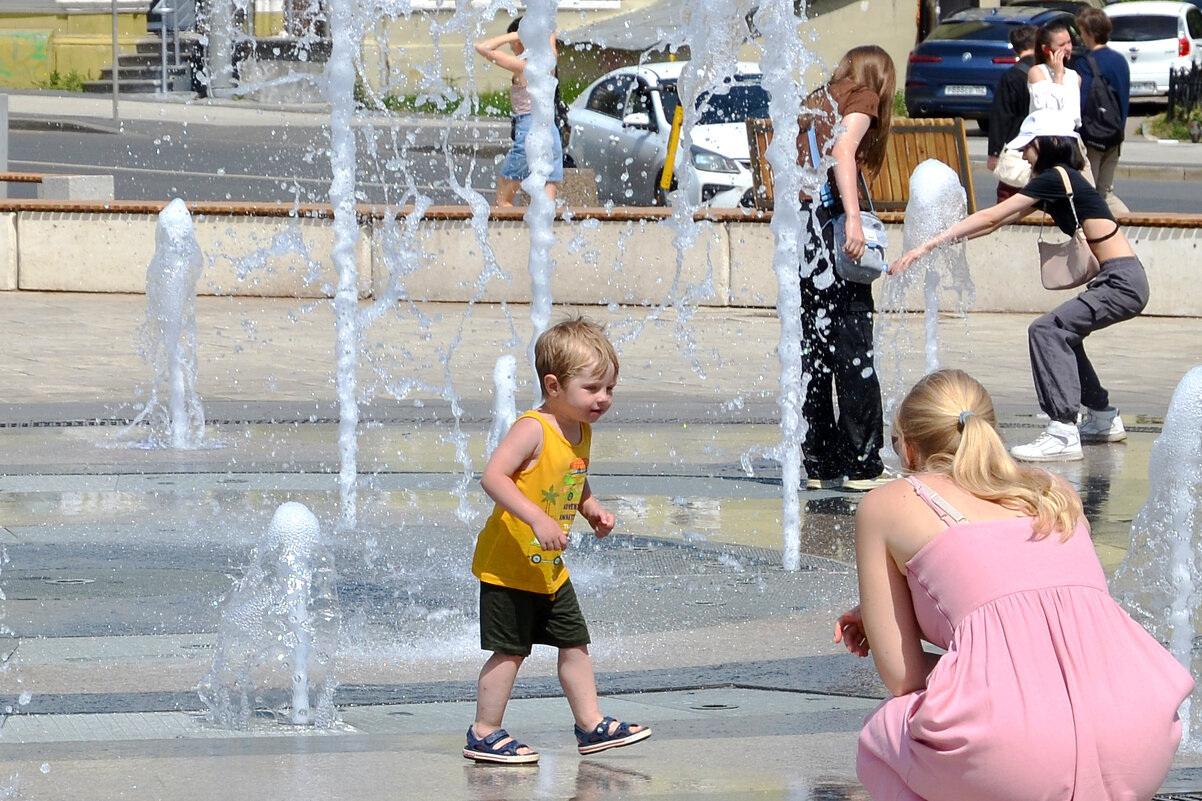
(117, 555)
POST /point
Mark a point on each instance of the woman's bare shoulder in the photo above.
(884, 500)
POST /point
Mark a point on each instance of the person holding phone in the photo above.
(1053, 84)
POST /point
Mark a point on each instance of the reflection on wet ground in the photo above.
(116, 559)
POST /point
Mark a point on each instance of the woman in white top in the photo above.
(1051, 83)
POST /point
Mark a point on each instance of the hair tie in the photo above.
(964, 415)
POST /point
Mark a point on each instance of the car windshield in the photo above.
(973, 29)
(745, 99)
(1143, 28)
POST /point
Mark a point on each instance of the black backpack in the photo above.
(1102, 113)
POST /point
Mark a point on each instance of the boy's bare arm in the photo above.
(514, 453)
(601, 519)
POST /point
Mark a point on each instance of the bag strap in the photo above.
(1068, 190)
(815, 161)
(867, 194)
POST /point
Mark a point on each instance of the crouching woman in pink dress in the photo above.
(1048, 689)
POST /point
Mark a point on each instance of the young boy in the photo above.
(538, 477)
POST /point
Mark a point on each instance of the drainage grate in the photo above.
(97, 422)
(90, 422)
(1191, 796)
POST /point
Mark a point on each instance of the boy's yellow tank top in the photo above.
(507, 554)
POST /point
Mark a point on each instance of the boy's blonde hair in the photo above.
(949, 419)
(568, 348)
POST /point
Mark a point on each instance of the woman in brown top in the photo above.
(851, 116)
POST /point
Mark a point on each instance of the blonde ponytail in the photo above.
(949, 419)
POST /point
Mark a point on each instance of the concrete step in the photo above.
(138, 60)
(188, 42)
(139, 86)
(175, 72)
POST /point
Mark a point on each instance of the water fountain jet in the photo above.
(169, 334)
(937, 201)
(281, 618)
(1160, 579)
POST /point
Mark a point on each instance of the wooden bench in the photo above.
(22, 177)
(55, 186)
(911, 142)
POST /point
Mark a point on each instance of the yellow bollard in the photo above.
(665, 178)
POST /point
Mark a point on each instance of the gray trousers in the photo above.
(1064, 377)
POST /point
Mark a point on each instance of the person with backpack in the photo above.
(1011, 103)
(1105, 95)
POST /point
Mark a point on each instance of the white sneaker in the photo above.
(823, 483)
(1061, 442)
(1101, 425)
(866, 484)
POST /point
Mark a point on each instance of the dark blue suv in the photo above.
(955, 70)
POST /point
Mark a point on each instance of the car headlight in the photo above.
(709, 161)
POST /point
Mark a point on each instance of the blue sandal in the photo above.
(486, 749)
(602, 739)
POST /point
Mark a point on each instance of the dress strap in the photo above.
(946, 512)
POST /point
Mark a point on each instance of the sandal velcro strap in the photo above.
(488, 749)
(602, 737)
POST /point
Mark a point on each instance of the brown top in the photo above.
(826, 109)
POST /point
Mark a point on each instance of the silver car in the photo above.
(620, 127)
(1155, 36)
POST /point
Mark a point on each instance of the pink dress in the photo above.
(1048, 690)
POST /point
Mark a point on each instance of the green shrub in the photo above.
(489, 104)
(899, 104)
(1161, 128)
(71, 82)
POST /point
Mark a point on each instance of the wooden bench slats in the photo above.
(22, 177)
(911, 142)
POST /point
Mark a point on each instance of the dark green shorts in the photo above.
(512, 621)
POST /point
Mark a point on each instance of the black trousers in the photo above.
(837, 355)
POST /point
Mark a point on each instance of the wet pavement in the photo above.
(116, 555)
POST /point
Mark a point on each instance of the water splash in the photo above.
(785, 58)
(504, 405)
(937, 202)
(174, 411)
(536, 29)
(1160, 579)
(341, 88)
(279, 630)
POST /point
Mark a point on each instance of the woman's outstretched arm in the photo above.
(985, 221)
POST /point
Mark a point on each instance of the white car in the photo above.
(1155, 36)
(621, 123)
